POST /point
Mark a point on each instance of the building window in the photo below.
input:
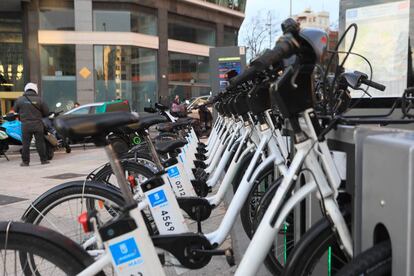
(187, 92)
(230, 37)
(190, 30)
(11, 52)
(126, 72)
(188, 68)
(188, 75)
(60, 16)
(125, 21)
(239, 5)
(58, 71)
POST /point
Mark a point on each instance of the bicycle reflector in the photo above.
(132, 181)
(83, 219)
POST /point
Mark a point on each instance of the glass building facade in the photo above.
(125, 72)
(188, 76)
(144, 22)
(156, 51)
(239, 5)
(191, 30)
(58, 71)
(11, 52)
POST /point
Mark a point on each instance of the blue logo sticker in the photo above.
(157, 198)
(173, 172)
(125, 251)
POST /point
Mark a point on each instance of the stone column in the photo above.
(163, 54)
(31, 42)
(85, 85)
(219, 35)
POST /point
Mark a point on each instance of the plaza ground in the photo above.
(19, 186)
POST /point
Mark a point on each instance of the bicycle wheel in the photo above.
(27, 249)
(283, 243)
(375, 261)
(317, 252)
(60, 207)
(140, 172)
(248, 211)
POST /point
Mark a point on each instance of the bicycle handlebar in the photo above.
(373, 84)
(284, 48)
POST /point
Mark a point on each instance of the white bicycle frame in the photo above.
(218, 236)
(131, 253)
(327, 184)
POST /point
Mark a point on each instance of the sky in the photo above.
(281, 9)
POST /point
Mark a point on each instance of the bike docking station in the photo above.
(380, 180)
(387, 196)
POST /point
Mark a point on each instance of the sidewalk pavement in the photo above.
(19, 186)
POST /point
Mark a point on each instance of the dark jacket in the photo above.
(27, 111)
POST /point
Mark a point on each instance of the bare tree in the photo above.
(259, 32)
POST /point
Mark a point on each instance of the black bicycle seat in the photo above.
(80, 126)
(146, 120)
(169, 146)
(161, 107)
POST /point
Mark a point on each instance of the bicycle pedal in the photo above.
(161, 256)
(200, 157)
(201, 150)
(200, 164)
(230, 257)
(209, 252)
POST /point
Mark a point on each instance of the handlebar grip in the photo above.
(247, 75)
(374, 84)
(284, 48)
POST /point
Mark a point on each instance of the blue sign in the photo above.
(157, 198)
(124, 251)
(173, 172)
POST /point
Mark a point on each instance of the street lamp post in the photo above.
(270, 32)
(290, 8)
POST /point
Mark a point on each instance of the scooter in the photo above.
(11, 134)
(48, 123)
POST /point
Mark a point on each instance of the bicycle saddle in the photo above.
(161, 107)
(171, 126)
(147, 120)
(80, 126)
(169, 146)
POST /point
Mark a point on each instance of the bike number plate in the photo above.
(165, 210)
(179, 181)
(127, 258)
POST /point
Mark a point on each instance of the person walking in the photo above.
(177, 109)
(31, 110)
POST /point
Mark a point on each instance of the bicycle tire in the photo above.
(319, 241)
(90, 190)
(249, 209)
(38, 241)
(271, 262)
(131, 167)
(376, 261)
(67, 191)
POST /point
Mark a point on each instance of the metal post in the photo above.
(290, 8)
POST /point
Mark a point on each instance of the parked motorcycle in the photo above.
(11, 134)
(48, 123)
